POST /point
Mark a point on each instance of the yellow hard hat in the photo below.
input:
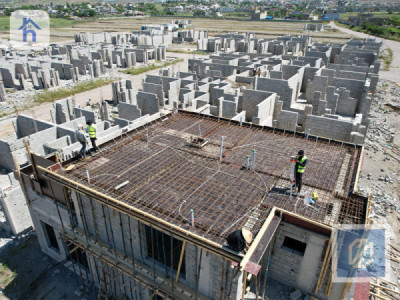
(248, 236)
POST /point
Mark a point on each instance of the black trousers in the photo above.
(93, 140)
(299, 181)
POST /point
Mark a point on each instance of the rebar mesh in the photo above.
(168, 178)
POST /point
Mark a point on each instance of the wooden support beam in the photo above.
(74, 249)
(346, 287)
(385, 288)
(323, 267)
(135, 287)
(368, 209)
(180, 261)
(244, 284)
(359, 168)
(328, 288)
(255, 242)
(387, 281)
(152, 295)
(32, 161)
(21, 181)
(378, 296)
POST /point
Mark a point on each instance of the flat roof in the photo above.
(168, 177)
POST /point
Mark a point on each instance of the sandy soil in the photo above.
(26, 273)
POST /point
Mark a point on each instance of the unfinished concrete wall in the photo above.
(127, 237)
(13, 206)
(155, 89)
(147, 103)
(292, 267)
(128, 111)
(286, 89)
(6, 159)
(287, 120)
(26, 125)
(356, 87)
(329, 128)
(251, 98)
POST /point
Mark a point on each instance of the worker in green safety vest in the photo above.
(299, 169)
(91, 130)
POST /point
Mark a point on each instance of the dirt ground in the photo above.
(26, 273)
(263, 29)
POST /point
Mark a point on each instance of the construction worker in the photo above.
(80, 134)
(91, 130)
(301, 161)
(240, 240)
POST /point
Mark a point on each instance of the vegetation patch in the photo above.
(140, 70)
(50, 96)
(188, 52)
(6, 276)
(387, 58)
(388, 28)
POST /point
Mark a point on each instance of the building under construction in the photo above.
(147, 216)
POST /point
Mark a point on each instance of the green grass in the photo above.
(387, 59)
(137, 71)
(54, 22)
(3, 268)
(4, 23)
(188, 52)
(376, 14)
(50, 96)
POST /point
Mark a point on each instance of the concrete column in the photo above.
(2, 92)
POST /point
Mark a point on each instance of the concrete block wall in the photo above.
(292, 268)
(42, 209)
(356, 87)
(283, 88)
(329, 128)
(26, 125)
(228, 108)
(128, 111)
(86, 112)
(147, 103)
(265, 111)
(155, 89)
(6, 158)
(56, 145)
(252, 98)
(318, 84)
(346, 105)
(13, 205)
(288, 120)
(129, 238)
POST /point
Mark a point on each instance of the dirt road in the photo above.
(393, 73)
